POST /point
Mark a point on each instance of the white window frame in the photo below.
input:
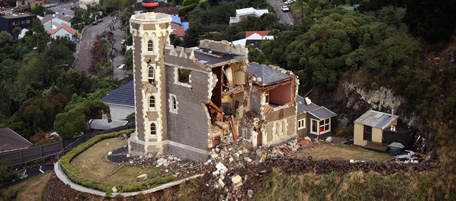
(326, 122)
(176, 77)
(151, 76)
(312, 121)
(173, 104)
(301, 123)
(155, 102)
(156, 129)
(150, 46)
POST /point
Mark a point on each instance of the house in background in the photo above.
(52, 21)
(121, 101)
(313, 120)
(30, 3)
(9, 19)
(177, 30)
(168, 10)
(64, 31)
(84, 3)
(175, 20)
(10, 140)
(243, 13)
(254, 38)
(369, 129)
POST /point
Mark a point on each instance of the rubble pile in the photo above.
(232, 169)
(169, 164)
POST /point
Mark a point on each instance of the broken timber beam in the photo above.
(233, 127)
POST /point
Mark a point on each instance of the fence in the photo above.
(61, 147)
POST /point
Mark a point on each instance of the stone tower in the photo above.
(150, 33)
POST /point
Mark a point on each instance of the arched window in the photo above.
(150, 46)
(153, 129)
(152, 102)
(151, 74)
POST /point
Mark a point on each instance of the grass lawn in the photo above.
(327, 151)
(92, 163)
(128, 174)
(31, 189)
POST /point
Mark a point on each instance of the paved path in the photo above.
(84, 59)
(284, 17)
(61, 175)
(119, 58)
(30, 173)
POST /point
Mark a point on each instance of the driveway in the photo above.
(84, 58)
(284, 17)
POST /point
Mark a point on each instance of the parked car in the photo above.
(100, 20)
(94, 23)
(285, 9)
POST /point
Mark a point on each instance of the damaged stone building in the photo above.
(188, 100)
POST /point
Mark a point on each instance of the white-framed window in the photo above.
(153, 129)
(151, 74)
(173, 104)
(150, 46)
(325, 125)
(301, 123)
(314, 126)
(183, 77)
(152, 102)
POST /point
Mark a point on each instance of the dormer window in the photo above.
(150, 46)
(151, 74)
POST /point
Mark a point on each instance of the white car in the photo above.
(285, 9)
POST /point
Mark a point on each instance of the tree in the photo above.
(5, 38)
(74, 82)
(16, 32)
(39, 112)
(40, 37)
(74, 119)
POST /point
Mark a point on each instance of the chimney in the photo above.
(392, 113)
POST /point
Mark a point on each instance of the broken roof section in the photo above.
(320, 112)
(266, 75)
(376, 119)
(218, 53)
(123, 95)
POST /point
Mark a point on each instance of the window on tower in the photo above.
(151, 74)
(152, 102)
(150, 46)
(153, 129)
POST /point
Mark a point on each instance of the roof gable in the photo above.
(179, 31)
(261, 33)
(65, 27)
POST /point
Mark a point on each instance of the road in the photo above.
(284, 17)
(84, 59)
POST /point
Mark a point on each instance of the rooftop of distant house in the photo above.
(10, 140)
(63, 26)
(50, 17)
(11, 14)
(123, 95)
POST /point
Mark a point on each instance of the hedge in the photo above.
(74, 176)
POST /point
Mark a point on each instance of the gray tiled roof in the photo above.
(10, 140)
(322, 113)
(210, 57)
(303, 107)
(266, 73)
(123, 95)
(376, 119)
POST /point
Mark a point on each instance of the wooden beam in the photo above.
(233, 128)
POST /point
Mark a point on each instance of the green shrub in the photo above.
(75, 177)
